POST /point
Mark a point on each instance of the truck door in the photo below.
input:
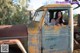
(56, 39)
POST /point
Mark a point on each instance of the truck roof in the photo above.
(55, 6)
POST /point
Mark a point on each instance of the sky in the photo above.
(35, 4)
(76, 11)
(15, 1)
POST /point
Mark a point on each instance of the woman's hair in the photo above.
(56, 17)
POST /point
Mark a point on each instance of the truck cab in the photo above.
(46, 38)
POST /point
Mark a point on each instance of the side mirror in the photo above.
(30, 16)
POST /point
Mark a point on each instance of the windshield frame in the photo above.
(35, 15)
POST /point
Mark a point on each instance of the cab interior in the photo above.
(51, 14)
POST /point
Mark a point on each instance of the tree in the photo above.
(11, 13)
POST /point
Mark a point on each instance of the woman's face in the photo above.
(59, 15)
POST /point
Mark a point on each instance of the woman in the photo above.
(58, 18)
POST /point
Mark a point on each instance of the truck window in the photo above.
(52, 13)
(38, 15)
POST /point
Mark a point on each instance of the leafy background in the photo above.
(11, 13)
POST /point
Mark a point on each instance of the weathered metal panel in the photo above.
(56, 40)
(12, 31)
(34, 43)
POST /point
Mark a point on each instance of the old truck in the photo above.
(41, 37)
(44, 38)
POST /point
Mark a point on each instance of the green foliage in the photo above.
(11, 13)
(75, 16)
(65, 16)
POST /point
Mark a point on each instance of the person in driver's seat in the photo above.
(58, 20)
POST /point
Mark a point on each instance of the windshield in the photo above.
(38, 15)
